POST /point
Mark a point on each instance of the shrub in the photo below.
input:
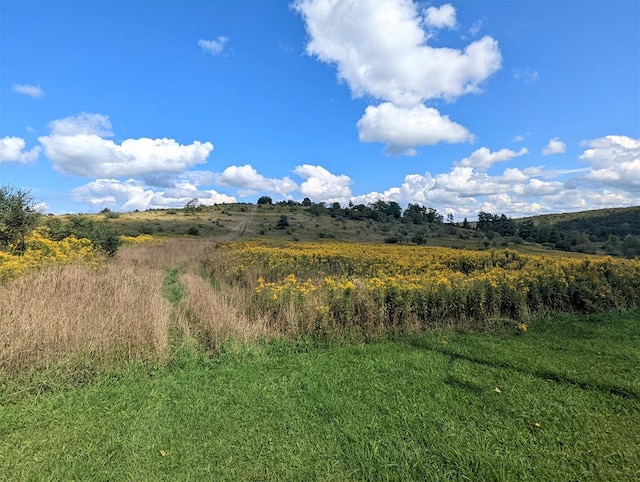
(283, 222)
(104, 237)
(18, 217)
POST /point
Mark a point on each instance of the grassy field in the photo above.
(559, 402)
(186, 358)
(259, 221)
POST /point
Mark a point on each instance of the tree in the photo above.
(18, 217)
(419, 238)
(192, 206)
(528, 230)
(418, 214)
(486, 221)
(391, 209)
(306, 202)
(265, 200)
(283, 222)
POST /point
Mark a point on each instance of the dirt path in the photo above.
(239, 229)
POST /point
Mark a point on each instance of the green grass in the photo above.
(173, 289)
(418, 408)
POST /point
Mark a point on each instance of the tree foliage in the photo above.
(192, 206)
(283, 222)
(18, 217)
(102, 236)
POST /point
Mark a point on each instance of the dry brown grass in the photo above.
(214, 317)
(174, 253)
(115, 311)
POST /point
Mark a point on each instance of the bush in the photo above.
(18, 217)
(102, 236)
(283, 222)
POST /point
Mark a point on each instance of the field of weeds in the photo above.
(185, 359)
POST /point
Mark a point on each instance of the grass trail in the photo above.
(477, 407)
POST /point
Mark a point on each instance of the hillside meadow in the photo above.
(244, 358)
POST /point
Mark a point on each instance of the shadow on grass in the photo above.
(606, 388)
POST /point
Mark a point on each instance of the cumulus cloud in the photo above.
(133, 194)
(380, 49)
(77, 145)
(250, 181)
(440, 17)
(82, 124)
(12, 149)
(614, 161)
(612, 179)
(483, 158)
(536, 187)
(467, 188)
(321, 185)
(401, 128)
(555, 146)
(214, 47)
(34, 91)
(611, 150)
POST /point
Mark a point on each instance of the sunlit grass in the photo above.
(412, 409)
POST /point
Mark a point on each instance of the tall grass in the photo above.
(235, 291)
(115, 311)
(215, 317)
(172, 253)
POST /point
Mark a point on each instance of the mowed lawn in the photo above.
(560, 401)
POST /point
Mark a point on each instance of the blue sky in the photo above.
(515, 107)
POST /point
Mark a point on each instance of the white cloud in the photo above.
(611, 180)
(611, 150)
(82, 124)
(514, 175)
(440, 17)
(483, 158)
(34, 91)
(214, 47)
(132, 194)
(249, 180)
(466, 181)
(12, 150)
(416, 188)
(77, 146)
(519, 138)
(516, 193)
(528, 75)
(321, 185)
(555, 146)
(476, 27)
(615, 161)
(536, 187)
(379, 48)
(402, 128)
